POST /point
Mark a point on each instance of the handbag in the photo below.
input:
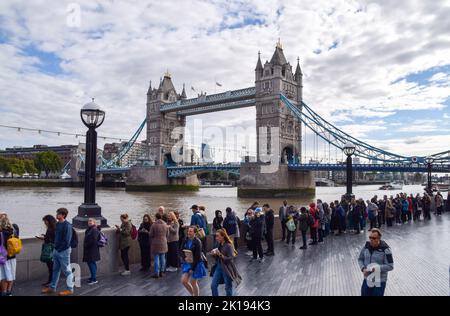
(47, 252)
(201, 233)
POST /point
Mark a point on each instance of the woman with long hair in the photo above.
(124, 232)
(144, 242)
(48, 245)
(172, 243)
(193, 266)
(8, 269)
(224, 270)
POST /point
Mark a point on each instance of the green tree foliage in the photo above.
(48, 161)
(5, 165)
(17, 167)
(30, 167)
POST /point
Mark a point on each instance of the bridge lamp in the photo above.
(92, 117)
(429, 161)
(349, 149)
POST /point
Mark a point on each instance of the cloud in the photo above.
(120, 46)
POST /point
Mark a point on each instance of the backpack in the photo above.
(206, 224)
(134, 232)
(291, 225)
(14, 246)
(74, 240)
(3, 251)
(102, 240)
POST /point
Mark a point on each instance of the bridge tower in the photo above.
(278, 133)
(273, 78)
(160, 125)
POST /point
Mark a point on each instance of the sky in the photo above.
(379, 70)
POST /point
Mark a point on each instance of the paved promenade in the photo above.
(421, 267)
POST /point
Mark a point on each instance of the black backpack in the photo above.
(310, 220)
(74, 240)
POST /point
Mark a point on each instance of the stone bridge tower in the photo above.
(278, 134)
(273, 78)
(160, 125)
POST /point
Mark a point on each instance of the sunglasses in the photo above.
(373, 238)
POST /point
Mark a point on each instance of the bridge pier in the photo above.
(154, 179)
(283, 183)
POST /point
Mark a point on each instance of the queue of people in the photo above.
(171, 246)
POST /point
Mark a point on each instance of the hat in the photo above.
(194, 207)
(258, 209)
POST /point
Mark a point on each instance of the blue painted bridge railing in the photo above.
(181, 171)
(371, 167)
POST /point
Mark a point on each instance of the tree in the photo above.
(48, 161)
(5, 165)
(17, 167)
(30, 167)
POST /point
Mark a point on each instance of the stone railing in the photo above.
(29, 267)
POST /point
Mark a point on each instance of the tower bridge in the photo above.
(281, 116)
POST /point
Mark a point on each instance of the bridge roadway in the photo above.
(421, 253)
(179, 171)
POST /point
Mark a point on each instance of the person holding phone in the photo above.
(48, 245)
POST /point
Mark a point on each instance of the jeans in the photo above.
(160, 263)
(93, 269)
(61, 263)
(327, 229)
(125, 259)
(372, 291)
(219, 274)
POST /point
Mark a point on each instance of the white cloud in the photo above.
(120, 46)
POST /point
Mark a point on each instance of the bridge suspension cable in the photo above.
(337, 137)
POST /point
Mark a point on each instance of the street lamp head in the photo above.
(92, 115)
(429, 160)
(349, 149)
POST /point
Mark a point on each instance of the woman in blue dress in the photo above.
(193, 267)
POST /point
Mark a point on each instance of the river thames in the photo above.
(27, 206)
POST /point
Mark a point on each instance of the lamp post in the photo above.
(349, 150)
(429, 161)
(93, 117)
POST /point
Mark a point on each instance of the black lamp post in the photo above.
(92, 116)
(429, 161)
(349, 150)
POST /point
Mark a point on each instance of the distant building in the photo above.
(138, 151)
(65, 152)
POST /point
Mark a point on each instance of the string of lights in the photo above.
(59, 133)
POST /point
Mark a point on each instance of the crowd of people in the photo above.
(172, 246)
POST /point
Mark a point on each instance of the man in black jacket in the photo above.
(269, 216)
(257, 224)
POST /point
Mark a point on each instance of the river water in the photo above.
(27, 206)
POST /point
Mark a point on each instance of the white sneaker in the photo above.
(171, 269)
(126, 272)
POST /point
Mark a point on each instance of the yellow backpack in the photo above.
(14, 246)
